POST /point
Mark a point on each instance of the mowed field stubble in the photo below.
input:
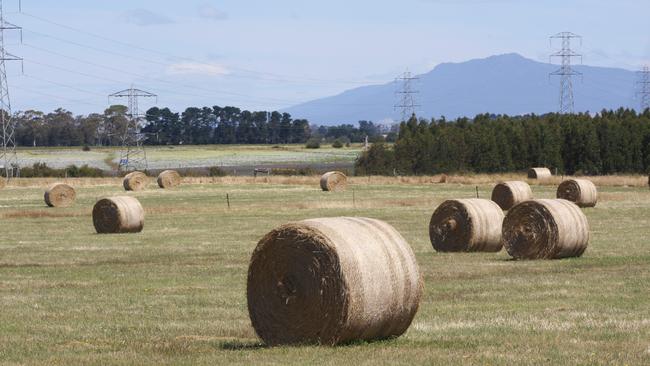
(176, 293)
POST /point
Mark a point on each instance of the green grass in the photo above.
(161, 157)
(175, 293)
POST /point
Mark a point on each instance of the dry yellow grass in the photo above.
(470, 179)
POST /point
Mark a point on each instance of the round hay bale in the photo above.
(333, 181)
(135, 181)
(443, 178)
(466, 225)
(169, 179)
(60, 195)
(116, 215)
(582, 192)
(545, 229)
(331, 281)
(510, 194)
(539, 173)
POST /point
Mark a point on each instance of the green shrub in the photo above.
(41, 170)
(293, 171)
(215, 171)
(337, 144)
(313, 144)
(84, 171)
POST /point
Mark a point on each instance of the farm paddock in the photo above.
(176, 292)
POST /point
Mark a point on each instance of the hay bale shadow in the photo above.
(241, 346)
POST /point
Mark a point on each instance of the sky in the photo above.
(268, 55)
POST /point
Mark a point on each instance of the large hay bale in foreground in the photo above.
(545, 229)
(331, 281)
(333, 181)
(169, 179)
(60, 195)
(582, 192)
(117, 215)
(539, 173)
(135, 181)
(510, 194)
(466, 225)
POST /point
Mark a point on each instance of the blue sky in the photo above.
(261, 54)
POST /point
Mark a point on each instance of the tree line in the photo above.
(194, 126)
(606, 143)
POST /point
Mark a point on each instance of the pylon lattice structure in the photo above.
(8, 157)
(644, 87)
(133, 155)
(406, 95)
(566, 71)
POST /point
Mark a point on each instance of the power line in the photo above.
(92, 76)
(62, 85)
(115, 81)
(122, 71)
(644, 87)
(243, 97)
(267, 76)
(58, 97)
(566, 71)
(406, 96)
(8, 154)
(142, 76)
(97, 49)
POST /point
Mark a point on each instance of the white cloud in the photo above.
(144, 17)
(208, 11)
(195, 68)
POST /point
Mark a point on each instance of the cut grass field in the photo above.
(164, 157)
(175, 293)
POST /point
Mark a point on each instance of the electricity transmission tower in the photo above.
(8, 154)
(566, 71)
(644, 87)
(133, 156)
(406, 95)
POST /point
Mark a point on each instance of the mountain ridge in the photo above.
(501, 84)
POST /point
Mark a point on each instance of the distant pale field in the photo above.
(161, 157)
(175, 293)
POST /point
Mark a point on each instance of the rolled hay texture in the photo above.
(333, 181)
(510, 194)
(331, 281)
(582, 192)
(60, 195)
(466, 225)
(169, 179)
(545, 229)
(539, 173)
(117, 215)
(135, 181)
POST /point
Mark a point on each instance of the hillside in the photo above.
(506, 84)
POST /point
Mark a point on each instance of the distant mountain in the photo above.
(505, 84)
